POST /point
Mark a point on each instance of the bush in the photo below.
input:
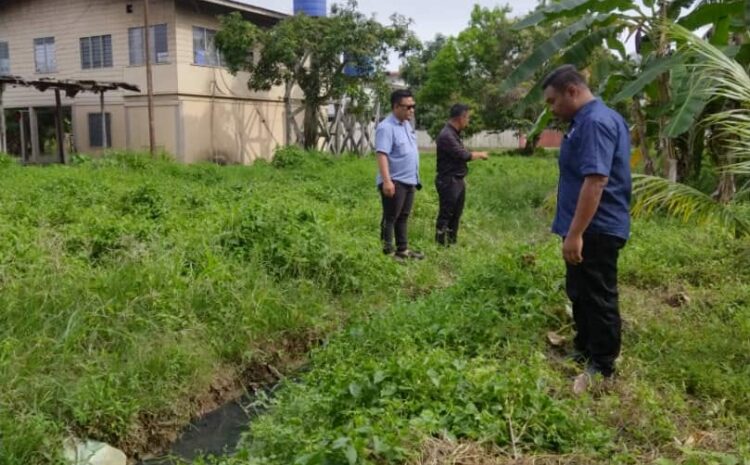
(6, 160)
(293, 156)
(145, 201)
(294, 244)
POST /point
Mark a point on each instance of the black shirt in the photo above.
(452, 156)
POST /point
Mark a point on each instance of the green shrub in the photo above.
(293, 156)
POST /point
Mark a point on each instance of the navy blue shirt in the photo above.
(398, 141)
(452, 156)
(597, 142)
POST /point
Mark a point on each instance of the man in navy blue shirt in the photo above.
(452, 161)
(593, 215)
(398, 174)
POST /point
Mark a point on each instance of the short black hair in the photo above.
(458, 110)
(564, 76)
(399, 95)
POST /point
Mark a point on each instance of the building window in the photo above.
(96, 52)
(159, 45)
(44, 55)
(95, 130)
(204, 47)
(4, 58)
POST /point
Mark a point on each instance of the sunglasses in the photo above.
(408, 107)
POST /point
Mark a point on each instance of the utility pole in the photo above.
(149, 79)
(59, 127)
(3, 130)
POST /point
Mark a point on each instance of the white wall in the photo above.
(482, 140)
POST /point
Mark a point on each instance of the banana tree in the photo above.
(717, 77)
(664, 104)
(532, 138)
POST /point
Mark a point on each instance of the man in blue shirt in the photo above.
(398, 174)
(593, 215)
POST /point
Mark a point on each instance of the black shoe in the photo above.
(441, 237)
(388, 250)
(577, 356)
(590, 375)
(593, 368)
(408, 255)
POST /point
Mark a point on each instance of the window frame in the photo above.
(218, 60)
(154, 52)
(50, 65)
(5, 45)
(103, 62)
(95, 124)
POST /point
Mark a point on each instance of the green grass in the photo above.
(130, 286)
(470, 363)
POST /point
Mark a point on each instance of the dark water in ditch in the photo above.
(217, 433)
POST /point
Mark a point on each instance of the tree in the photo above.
(312, 53)
(469, 68)
(664, 105)
(445, 84)
(493, 50)
(717, 78)
(414, 69)
(415, 72)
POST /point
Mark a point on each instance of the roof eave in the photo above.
(248, 8)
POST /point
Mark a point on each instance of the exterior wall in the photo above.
(209, 80)
(24, 20)
(230, 130)
(484, 140)
(549, 138)
(502, 140)
(201, 112)
(81, 125)
(166, 125)
(222, 118)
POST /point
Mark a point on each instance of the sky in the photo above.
(430, 16)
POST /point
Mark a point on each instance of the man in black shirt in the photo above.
(452, 159)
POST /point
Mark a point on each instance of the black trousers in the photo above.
(452, 194)
(592, 288)
(396, 211)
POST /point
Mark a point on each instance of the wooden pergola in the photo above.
(71, 87)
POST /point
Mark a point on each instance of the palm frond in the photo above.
(734, 126)
(721, 77)
(740, 168)
(727, 77)
(654, 194)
